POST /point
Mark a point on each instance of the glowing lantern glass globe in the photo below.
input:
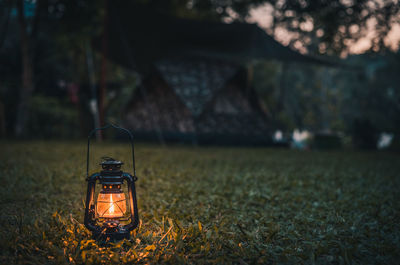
(111, 215)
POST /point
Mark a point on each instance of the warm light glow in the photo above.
(111, 210)
(111, 205)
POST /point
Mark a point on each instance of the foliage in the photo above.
(334, 26)
(205, 205)
(370, 94)
(308, 95)
(61, 31)
(322, 26)
(333, 98)
(50, 117)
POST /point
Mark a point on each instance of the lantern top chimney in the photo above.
(110, 163)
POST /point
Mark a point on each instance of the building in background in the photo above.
(203, 101)
(195, 80)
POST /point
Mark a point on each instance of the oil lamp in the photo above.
(112, 215)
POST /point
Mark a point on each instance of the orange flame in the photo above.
(111, 209)
(111, 205)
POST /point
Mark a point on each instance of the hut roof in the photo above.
(137, 38)
(196, 81)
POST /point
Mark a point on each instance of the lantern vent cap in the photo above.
(109, 161)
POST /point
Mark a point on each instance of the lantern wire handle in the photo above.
(110, 125)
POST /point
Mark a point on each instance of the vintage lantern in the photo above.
(112, 215)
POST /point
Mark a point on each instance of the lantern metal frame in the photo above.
(112, 231)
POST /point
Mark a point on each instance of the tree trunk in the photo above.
(27, 74)
(3, 33)
(103, 72)
(94, 106)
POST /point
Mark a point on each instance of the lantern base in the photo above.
(111, 232)
(111, 236)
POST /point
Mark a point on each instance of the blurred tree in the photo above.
(311, 101)
(54, 34)
(323, 26)
(371, 102)
(5, 11)
(51, 40)
(305, 96)
(52, 110)
(333, 26)
(27, 86)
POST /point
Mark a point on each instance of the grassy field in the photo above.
(205, 206)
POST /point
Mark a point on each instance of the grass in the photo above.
(205, 206)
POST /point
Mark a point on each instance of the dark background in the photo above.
(52, 55)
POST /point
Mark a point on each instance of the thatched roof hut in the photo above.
(195, 85)
(202, 101)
